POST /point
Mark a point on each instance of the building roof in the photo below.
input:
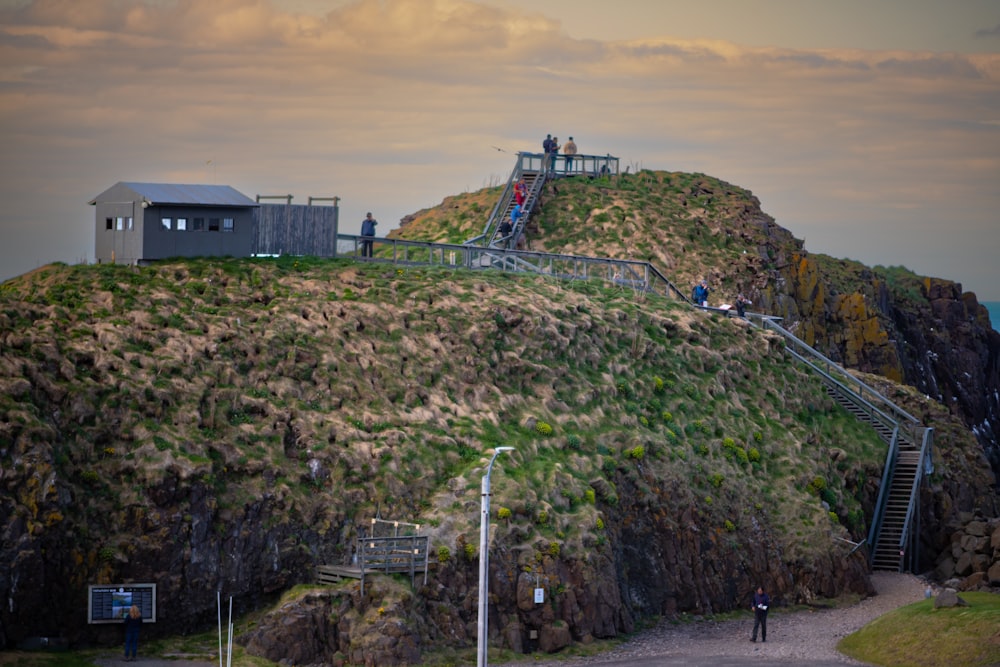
(173, 193)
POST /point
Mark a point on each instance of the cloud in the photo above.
(988, 32)
(396, 104)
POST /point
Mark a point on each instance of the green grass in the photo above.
(918, 635)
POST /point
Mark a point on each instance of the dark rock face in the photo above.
(948, 350)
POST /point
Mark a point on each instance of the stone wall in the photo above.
(973, 562)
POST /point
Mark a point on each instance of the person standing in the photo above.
(700, 294)
(547, 150)
(367, 229)
(555, 152)
(133, 623)
(761, 601)
(569, 150)
(741, 305)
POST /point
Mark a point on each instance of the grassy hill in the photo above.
(230, 424)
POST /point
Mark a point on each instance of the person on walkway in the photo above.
(367, 229)
(515, 215)
(700, 294)
(133, 623)
(761, 601)
(505, 231)
(741, 305)
(520, 191)
(569, 150)
(555, 152)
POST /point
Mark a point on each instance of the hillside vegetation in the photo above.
(227, 425)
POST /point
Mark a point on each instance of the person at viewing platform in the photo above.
(569, 150)
(520, 191)
(555, 153)
(547, 150)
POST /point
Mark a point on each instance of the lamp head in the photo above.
(504, 449)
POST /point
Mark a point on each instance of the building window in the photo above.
(182, 224)
(119, 223)
(213, 224)
(128, 223)
(166, 223)
(109, 224)
(199, 224)
(227, 224)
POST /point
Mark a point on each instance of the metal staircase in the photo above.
(893, 535)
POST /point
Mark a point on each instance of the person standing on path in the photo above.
(133, 623)
(761, 601)
(367, 229)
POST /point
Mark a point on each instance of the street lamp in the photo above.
(484, 558)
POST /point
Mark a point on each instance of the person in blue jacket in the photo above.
(700, 294)
(761, 601)
(367, 229)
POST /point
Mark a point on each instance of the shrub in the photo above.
(600, 523)
(658, 385)
(503, 513)
(730, 526)
(637, 452)
(542, 518)
(573, 441)
(717, 479)
(667, 416)
(444, 553)
(643, 420)
(758, 437)
(590, 496)
(543, 428)
(753, 455)
(470, 551)
(554, 549)
(816, 485)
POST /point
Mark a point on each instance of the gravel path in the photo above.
(794, 638)
(802, 637)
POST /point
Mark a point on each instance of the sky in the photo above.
(868, 128)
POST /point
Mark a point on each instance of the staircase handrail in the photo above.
(899, 414)
(873, 412)
(925, 445)
(888, 470)
(504, 197)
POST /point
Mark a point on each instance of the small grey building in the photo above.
(139, 222)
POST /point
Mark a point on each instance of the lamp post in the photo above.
(484, 559)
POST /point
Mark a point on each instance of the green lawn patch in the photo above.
(918, 635)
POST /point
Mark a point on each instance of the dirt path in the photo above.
(801, 637)
(796, 638)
